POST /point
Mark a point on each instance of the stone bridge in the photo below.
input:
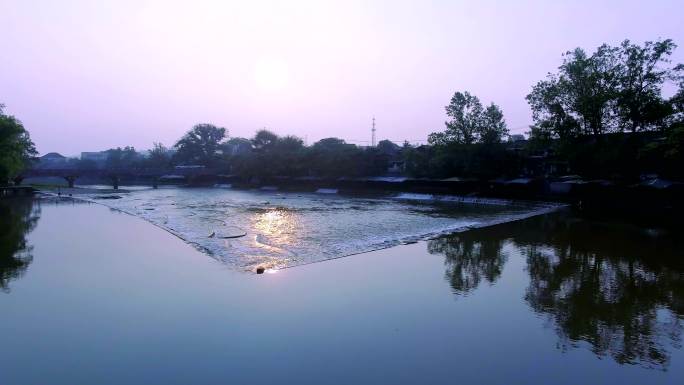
(116, 175)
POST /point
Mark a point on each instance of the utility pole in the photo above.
(373, 134)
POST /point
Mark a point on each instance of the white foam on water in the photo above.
(307, 228)
(415, 197)
(326, 191)
(463, 199)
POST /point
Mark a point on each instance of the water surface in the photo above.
(92, 295)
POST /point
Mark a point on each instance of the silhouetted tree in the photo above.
(333, 157)
(158, 157)
(266, 154)
(200, 145)
(666, 157)
(640, 105)
(470, 122)
(16, 147)
(236, 146)
(263, 140)
(418, 160)
(613, 89)
(677, 101)
(118, 158)
(465, 111)
(387, 147)
(285, 156)
(493, 128)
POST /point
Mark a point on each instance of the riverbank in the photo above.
(649, 199)
(138, 306)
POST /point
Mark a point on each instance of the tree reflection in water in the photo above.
(470, 258)
(618, 288)
(17, 218)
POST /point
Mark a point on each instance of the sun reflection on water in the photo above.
(278, 226)
(275, 232)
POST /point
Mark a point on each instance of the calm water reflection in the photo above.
(17, 218)
(471, 257)
(614, 287)
(550, 300)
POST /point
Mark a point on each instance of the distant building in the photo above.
(516, 138)
(52, 160)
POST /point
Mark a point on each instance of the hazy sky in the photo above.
(90, 75)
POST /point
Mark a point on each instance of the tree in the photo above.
(613, 89)
(286, 156)
(677, 101)
(266, 155)
(640, 105)
(577, 101)
(417, 160)
(388, 147)
(331, 144)
(333, 157)
(264, 139)
(493, 128)
(121, 157)
(236, 147)
(16, 148)
(552, 116)
(470, 122)
(666, 156)
(158, 157)
(200, 145)
(289, 144)
(465, 111)
(590, 84)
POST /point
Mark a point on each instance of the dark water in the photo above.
(613, 288)
(17, 219)
(96, 296)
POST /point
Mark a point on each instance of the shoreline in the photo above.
(644, 198)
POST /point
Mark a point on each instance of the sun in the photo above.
(271, 74)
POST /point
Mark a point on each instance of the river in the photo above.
(91, 294)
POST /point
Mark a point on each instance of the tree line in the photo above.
(615, 89)
(605, 113)
(266, 154)
(602, 114)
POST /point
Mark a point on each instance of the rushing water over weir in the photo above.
(246, 229)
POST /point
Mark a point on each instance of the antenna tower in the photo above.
(373, 133)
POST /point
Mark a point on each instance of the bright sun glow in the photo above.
(271, 75)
